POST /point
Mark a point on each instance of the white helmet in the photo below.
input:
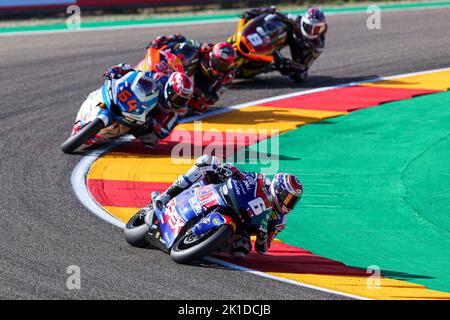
(312, 23)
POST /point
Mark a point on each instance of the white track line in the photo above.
(131, 26)
(301, 93)
(266, 275)
(78, 181)
(79, 174)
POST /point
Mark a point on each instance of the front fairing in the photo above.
(190, 205)
(265, 34)
(242, 196)
(131, 112)
(193, 207)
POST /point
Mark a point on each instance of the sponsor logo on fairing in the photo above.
(207, 196)
(195, 204)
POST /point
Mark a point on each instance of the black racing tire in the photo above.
(203, 248)
(136, 230)
(297, 78)
(89, 131)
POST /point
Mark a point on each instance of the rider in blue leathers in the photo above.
(284, 190)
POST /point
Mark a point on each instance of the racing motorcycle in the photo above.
(257, 43)
(111, 111)
(200, 220)
(173, 57)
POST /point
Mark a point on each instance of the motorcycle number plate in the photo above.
(257, 206)
(255, 39)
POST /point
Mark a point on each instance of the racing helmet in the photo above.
(219, 61)
(286, 190)
(312, 23)
(178, 90)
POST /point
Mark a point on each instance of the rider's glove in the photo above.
(179, 37)
(158, 42)
(162, 133)
(229, 77)
(118, 71)
(224, 172)
(206, 47)
(161, 200)
(159, 130)
(198, 105)
(164, 39)
(250, 14)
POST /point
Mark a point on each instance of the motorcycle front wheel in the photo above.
(188, 249)
(79, 138)
(136, 230)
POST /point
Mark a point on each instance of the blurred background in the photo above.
(54, 8)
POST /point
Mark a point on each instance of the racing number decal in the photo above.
(257, 205)
(124, 96)
(174, 221)
(162, 66)
(132, 104)
(168, 69)
(254, 39)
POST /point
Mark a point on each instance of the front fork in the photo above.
(212, 221)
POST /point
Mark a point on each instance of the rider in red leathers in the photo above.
(210, 66)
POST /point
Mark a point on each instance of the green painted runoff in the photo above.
(376, 188)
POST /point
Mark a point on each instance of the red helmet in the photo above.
(219, 61)
(178, 90)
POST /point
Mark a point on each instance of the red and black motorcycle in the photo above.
(257, 43)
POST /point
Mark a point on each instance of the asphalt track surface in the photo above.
(44, 228)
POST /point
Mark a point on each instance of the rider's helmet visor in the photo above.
(313, 29)
(219, 66)
(286, 199)
(178, 101)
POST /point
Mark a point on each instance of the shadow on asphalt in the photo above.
(283, 82)
(402, 275)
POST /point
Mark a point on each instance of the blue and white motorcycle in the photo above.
(117, 108)
(202, 219)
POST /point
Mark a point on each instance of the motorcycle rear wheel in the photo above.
(87, 132)
(185, 254)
